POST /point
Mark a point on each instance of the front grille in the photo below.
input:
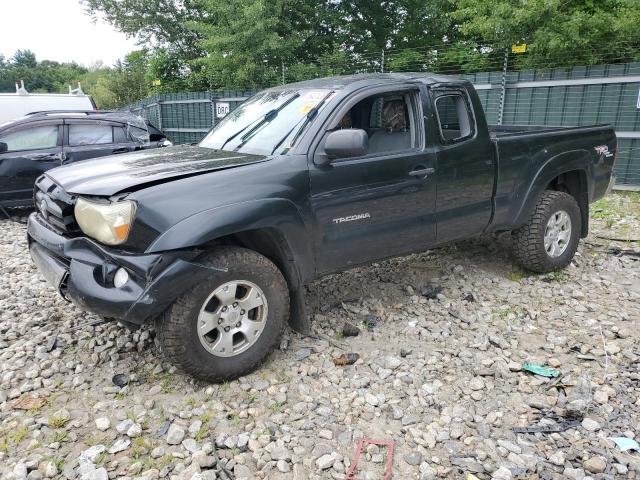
(55, 206)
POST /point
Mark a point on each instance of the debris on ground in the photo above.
(302, 354)
(120, 380)
(28, 403)
(366, 442)
(625, 444)
(540, 370)
(371, 321)
(350, 330)
(431, 292)
(346, 359)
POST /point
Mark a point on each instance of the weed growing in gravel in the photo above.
(277, 406)
(57, 422)
(167, 384)
(102, 456)
(557, 276)
(13, 439)
(191, 401)
(203, 431)
(139, 446)
(517, 275)
(59, 436)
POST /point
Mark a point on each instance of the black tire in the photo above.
(528, 240)
(177, 328)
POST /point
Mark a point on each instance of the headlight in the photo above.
(108, 223)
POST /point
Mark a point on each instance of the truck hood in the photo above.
(106, 176)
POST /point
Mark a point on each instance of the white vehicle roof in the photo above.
(18, 104)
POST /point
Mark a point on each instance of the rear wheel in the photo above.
(549, 240)
(227, 325)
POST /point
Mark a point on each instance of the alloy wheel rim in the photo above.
(557, 234)
(232, 318)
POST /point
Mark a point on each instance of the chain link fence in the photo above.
(511, 94)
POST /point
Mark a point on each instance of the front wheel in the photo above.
(225, 327)
(549, 240)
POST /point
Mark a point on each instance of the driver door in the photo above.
(380, 204)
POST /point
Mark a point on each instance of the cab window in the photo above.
(90, 134)
(454, 117)
(32, 138)
(388, 120)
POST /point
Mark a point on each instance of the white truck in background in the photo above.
(18, 104)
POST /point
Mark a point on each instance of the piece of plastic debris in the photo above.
(430, 291)
(302, 354)
(28, 403)
(625, 444)
(558, 427)
(388, 470)
(371, 321)
(346, 359)
(350, 330)
(120, 379)
(540, 370)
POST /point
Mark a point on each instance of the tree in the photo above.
(558, 32)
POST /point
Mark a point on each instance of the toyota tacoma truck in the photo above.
(214, 242)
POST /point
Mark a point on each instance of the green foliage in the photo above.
(45, 76)
(559, 33)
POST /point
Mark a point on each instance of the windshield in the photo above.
(267, 122)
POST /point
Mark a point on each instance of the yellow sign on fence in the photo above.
(519, 48)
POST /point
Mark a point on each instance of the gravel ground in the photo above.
(443, 336)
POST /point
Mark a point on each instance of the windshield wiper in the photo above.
(306, 120)
(269, 116)
(239, 132)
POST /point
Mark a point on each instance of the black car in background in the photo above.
(39, 141)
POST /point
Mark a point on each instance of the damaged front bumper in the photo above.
(83, 272)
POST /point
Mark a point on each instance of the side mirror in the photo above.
(347, 143)
(4, 147)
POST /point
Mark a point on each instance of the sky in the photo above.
(59, 30)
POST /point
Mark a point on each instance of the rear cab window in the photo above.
(90, 134)
(453, 112)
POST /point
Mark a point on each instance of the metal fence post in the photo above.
(382, 62)
(503, 86)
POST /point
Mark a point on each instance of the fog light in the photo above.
(121, 277)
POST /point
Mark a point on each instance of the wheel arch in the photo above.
(272, 227)
(568, 172)
(574, 182)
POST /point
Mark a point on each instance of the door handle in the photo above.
(121, 150)
(422, 172)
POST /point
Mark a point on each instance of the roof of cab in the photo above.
(366, 79)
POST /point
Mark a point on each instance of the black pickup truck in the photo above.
(215, 242)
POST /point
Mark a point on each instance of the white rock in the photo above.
(103, 423)
(325, 461)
